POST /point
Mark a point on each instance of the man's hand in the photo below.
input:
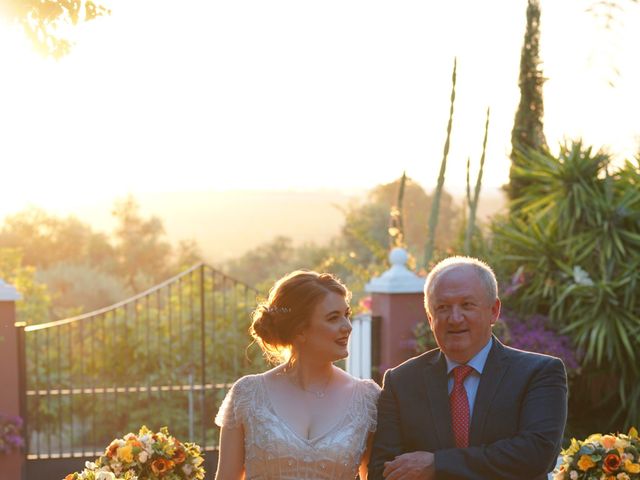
(410, 466)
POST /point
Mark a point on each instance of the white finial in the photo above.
(8, 293)
(398, 256)
(398, 279)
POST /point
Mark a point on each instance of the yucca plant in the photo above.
(472, 199)
(435, 206)
(574, 232)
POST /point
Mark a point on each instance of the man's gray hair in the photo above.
(484, 271)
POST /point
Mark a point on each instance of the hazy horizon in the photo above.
(227, 224)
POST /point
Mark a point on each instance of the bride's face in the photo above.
(327, 334)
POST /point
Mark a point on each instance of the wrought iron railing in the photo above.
(164, 357)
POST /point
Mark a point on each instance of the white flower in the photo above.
(573, 475)
(117, 467)
(581, 277)
(143, 457)
(105, 476)
(90, 465)
(622, 476)
(187, 469)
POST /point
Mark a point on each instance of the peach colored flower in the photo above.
(608, 441)
(134, 442)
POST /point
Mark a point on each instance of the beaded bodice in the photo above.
(274, 451)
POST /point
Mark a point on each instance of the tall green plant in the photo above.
(575, 233)
(435, 206)
(396, 223)
(472, 200)
(528, 130)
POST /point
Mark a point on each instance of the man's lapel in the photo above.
(494, 370)
(438, 400)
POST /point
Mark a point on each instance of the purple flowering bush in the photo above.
(10, 437)
(533, 334)
(536, 335)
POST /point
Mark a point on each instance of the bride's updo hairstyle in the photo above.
(288, 309)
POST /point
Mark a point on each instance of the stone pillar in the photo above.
(397, 300)
(11, 465)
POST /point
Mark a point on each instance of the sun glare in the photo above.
(229, 101)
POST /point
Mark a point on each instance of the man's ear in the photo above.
(495, 311)
(430, 320)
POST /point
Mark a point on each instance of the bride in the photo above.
(305, 418)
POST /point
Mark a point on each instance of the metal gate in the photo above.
(164, 357)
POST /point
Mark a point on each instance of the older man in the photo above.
(473, 408)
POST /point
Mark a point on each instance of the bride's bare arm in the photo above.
(231, 454)
(365, 458)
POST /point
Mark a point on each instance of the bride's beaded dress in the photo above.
(274, 451)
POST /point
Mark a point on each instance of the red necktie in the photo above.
(459, 404)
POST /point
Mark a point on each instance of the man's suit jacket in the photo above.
(516, 425)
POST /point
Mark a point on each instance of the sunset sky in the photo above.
(225, 95)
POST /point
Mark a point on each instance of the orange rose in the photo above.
(180, 456)
(112, 450)
(611, 463)
(161, 466)
(70, 476)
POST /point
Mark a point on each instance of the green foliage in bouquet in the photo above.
(146, 455)
(574, 235)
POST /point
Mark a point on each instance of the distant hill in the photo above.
(227, 224)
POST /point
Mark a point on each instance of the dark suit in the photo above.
(516, 426)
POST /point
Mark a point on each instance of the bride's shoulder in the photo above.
(367, 386)
(247, 383)
(366, 405)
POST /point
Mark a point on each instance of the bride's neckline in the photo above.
(288, 426)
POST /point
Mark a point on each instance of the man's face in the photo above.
(461, 313)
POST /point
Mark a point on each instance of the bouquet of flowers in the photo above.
(601, 457)
(145, 456)
(10, 438)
